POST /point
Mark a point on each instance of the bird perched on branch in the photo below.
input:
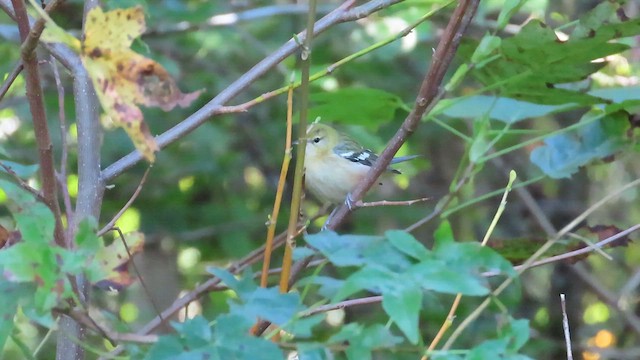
(335, 164)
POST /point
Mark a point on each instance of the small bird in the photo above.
(335, 164)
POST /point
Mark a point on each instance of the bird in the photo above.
(335, 164)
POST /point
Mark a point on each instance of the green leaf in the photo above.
(362, 340)
(473, 257)
(233, 341)
(503, 109)
(437, 276)
(481, 143)
(488, 44)
(517, 331)
(86, 237)
(302, 328)
(443, 234)
(229, 338)
(34, 219)
(357, 250)
(196, 332)
(489, 349)
(258, 302)
(509, 8)
(532, 63)
(354, 106)
(403, 307)
(563, 154)
(407, 244)
(11, 295)
(376, 279)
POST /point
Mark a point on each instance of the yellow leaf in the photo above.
(123, 78)
(113, 260)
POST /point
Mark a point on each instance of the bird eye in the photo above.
(316, 139)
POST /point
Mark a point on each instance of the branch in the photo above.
(36, 106)
(62, 176)
(233, 18)
(6, 85)
(90, 185)
(206, 287)
(213, 107)
(427, 96)
(21, 182)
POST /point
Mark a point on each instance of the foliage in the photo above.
(549, 89)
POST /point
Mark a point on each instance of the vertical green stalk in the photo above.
(297, 182)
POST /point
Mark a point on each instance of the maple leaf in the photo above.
(122, 78)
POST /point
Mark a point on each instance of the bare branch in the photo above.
(391, 203)
(427, 96)
(565, 327)
(36, 106)
(339, 15)
(62, 176)
(13, 75)
(22, 183)
(229, 19)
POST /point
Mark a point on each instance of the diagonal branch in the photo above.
(427, 96)
(341, 14)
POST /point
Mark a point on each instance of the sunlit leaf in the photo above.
(122, 78)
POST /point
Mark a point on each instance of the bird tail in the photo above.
(403, 159)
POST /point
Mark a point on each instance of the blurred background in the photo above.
(208, 196)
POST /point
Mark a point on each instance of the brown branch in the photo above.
(13, 75)
(427, 96)
(36, 106)
(23, 184)
(62, 176)
(31, 42)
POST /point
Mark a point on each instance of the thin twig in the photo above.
(126, 206)
(139, 274)
(23, 184)
(565, 327)
(391, 203)
(62, 176)
(342, 305)
(31, 42)
(13, 75)
(230, 19)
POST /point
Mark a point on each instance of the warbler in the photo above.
(335, 164)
